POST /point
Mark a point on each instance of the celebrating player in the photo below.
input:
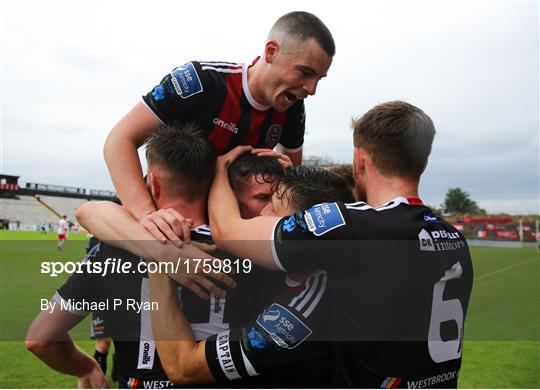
(303, 291)
(401, 277)
(259, 104)
(175, 155)
(184, 162)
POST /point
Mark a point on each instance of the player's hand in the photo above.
(194, 270)
(224, 161)
(168, 224)
(200, 284)
(283, 159)
(95, 379)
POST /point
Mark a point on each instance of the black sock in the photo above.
(101, 358)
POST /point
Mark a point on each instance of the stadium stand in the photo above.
(36, 205)
(64, 206)
(26, 210)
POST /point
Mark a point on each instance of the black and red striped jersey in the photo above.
(399, 283)
(215, 96)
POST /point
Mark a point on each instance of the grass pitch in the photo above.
(502, 329)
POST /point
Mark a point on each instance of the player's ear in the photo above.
(359, 162)
(154, 186)
(270, 50)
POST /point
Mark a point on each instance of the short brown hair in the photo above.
(250, 165)
(306, 186)
(184, 152)
(345, 171)
(398, 137)
(304, 25)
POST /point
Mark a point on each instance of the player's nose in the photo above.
(310, 86)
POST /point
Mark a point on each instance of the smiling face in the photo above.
(296, 67)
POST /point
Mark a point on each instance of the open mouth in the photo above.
(290, 97)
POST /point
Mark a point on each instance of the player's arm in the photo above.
(49, 340)
(112, 223)
(241, 352)
(250, 238)
(120, 153)
(182, 358)
(292, 138)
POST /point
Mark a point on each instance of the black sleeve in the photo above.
(83, 284)
(294, 127)
(319, 237)
(182, 94)
(287, 332)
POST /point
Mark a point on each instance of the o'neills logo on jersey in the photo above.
(146, 353)
(440, 240)
(231, 126)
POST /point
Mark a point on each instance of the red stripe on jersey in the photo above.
(415, 202)
(227, 123)
(257, 119)
(397, 381)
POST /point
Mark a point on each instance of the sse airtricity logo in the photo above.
(285, 329)
(271, 315)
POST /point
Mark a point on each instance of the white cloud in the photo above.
(70, 70)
